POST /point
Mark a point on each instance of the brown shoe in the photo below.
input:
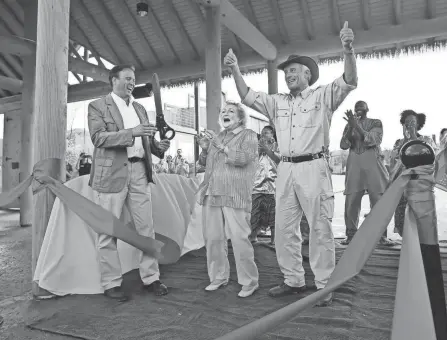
(283, 290)
(326, 301)
(116, 293)
(157, 288)
(346, 241)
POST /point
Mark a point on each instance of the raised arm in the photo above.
(345, 142)
(258, 101)
(101, 138)
(245, 153)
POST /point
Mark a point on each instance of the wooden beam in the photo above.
(10, 103)
(93, 71)
(336, 22)
(78, 78)
(130, 20)
(161, 34)
(307, 17)
(79, 7)
(397, 11)
(186, 39)
(366, 14)
(431, 9)
(86, 58)
(75, 64)
(11, 84)
(208, 3)
(118, 33)
(88, 43)
(50, 107)
(12, 44)
(272, 74)
(279, 21)
(213, 67)
(74, 51)
(241, 26)
(8, 70)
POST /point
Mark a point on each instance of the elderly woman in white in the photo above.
(230, 161)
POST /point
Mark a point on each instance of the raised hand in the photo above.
(230, 59)
(350, 118)
(346, 36)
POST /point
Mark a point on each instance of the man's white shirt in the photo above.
(130, 120)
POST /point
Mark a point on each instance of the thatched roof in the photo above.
(172, 36)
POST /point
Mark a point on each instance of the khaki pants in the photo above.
(138, 199)
(304, 187)
(219, 225)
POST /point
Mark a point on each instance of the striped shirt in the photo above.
(229, 177)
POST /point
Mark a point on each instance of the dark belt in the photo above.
(303, 158)
(135, 159)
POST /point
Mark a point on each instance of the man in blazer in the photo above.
(119, 175)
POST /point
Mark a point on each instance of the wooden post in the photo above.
(11, 152)
(26, 155)
(272, 75)
(197, 123)
(213, 72)
(50, 106)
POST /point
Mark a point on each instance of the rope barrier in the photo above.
(352, 262)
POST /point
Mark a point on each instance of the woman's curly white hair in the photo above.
(241, 113)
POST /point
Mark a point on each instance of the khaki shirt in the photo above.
(302, 122)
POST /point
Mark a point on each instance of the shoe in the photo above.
(247, 291)
(116, 293)
(215, 285)
(386, 242)
(346, 241)
(326, 301)
(157, 288)
(283, 290)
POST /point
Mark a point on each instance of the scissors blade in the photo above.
(157, 94)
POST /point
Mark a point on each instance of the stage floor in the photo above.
(362, 309)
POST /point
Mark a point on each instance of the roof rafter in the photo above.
(186, 39)
(307, 17)
(7, 70)
(366, 15)
(279, 21)
(250, 13)
(336, 22)
(118, 32)
(397, 11)
(431, 9)
(161, 34)
(79, 7)
(89, 45)
(14, 62)
(124, 10)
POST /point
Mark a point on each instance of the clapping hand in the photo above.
(346, 36)
(350, 118)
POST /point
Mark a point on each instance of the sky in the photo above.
(389, 86)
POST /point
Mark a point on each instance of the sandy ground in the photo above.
(15, 263)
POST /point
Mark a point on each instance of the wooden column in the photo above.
(213, 72)
(11, 152)
(26, 155)
(197, 122)
(272, 75)
(50, 105)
